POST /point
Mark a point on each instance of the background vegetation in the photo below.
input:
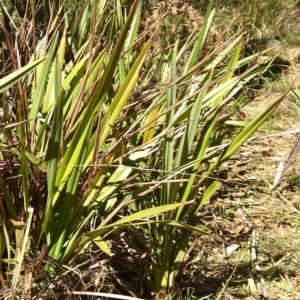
(121, 122)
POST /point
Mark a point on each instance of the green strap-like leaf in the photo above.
(15, 76)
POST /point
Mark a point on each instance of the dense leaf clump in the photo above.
(110, 139)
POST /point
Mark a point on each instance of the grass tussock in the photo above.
(139, 148)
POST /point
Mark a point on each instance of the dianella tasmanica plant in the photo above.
(109, 145)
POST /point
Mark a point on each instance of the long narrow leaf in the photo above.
(15, 76)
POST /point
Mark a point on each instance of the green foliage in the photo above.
(258, 18)
(96, 153)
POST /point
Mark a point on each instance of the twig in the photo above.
(110, 296)
(284, 165)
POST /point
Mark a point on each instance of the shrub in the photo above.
(110, 145)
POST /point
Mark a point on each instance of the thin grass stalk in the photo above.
(21, 254)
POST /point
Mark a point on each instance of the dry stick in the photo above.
(110, 296)
(262, 291)
(285, 164)
(226, 283)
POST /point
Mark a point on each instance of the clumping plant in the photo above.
(109, 148)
